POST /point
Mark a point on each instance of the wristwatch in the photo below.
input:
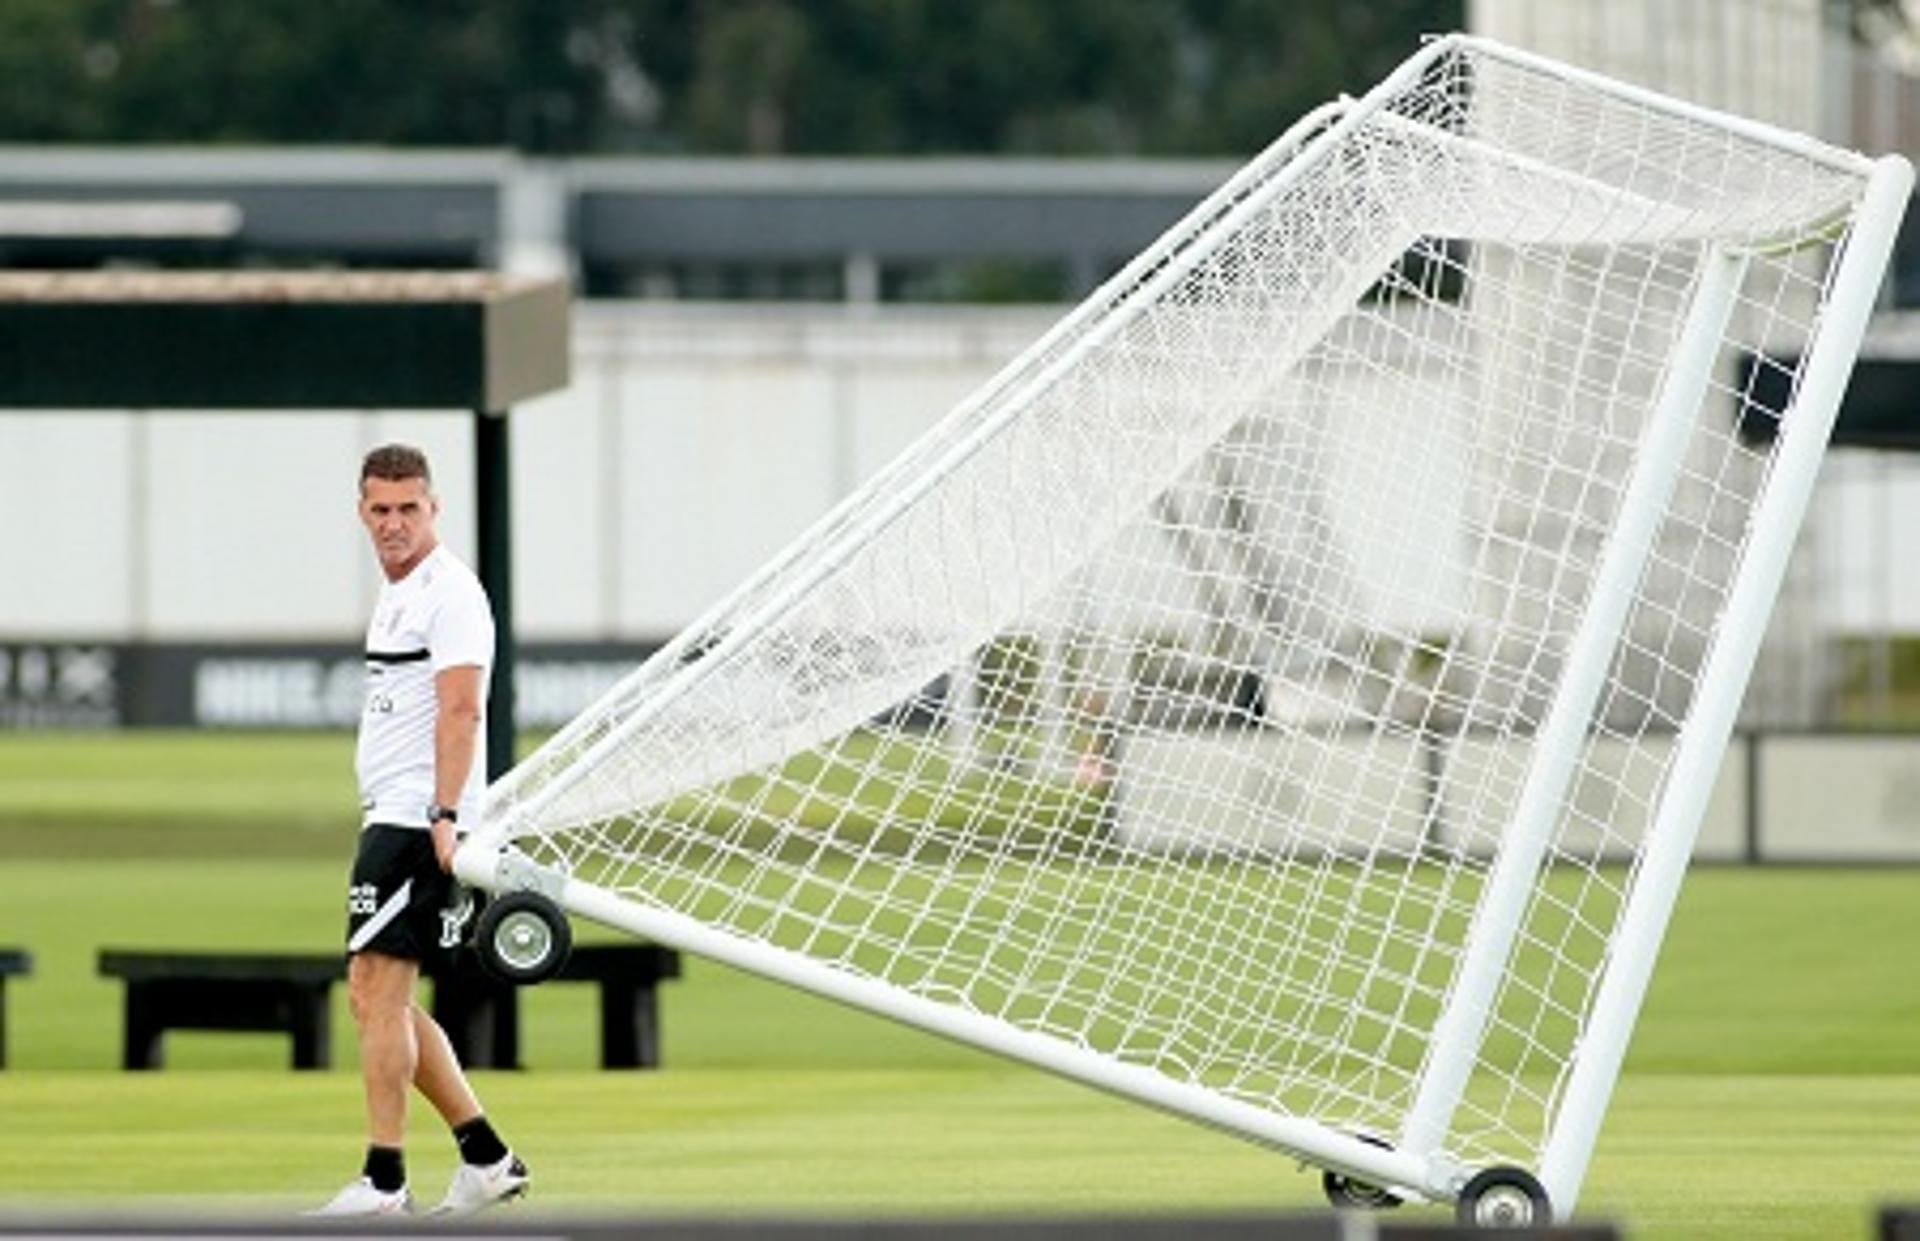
(437, 812)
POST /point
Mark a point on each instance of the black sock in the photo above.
(386, 1168)
(478, 1143)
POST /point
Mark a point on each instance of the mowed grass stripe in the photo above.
(1766, 970)
(1701, 1158)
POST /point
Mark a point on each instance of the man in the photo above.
(422, 768)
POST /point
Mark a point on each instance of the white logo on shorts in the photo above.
(362, 898)
(453, 921)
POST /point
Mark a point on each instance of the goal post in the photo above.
(1670, 838)
(1582, 680)
(1286, 694)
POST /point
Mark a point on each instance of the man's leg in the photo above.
(437, 1072)
(380, 989)
(488, 1172)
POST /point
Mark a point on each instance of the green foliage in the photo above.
(1879, 681)
(1009, 684)
(357, 71)
(722, 76)
(1002, 281)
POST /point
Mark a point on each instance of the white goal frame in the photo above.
(1418, 1162)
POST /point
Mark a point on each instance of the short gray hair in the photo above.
(395, 463)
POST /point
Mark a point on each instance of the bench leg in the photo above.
(312, 1024)
(141, 1049)
(629, 1025)
(481, 1018)
(506, 1031)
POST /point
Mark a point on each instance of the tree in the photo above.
(1046, 77)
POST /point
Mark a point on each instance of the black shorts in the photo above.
(399, 901)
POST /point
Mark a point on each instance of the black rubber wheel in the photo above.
(1504, 1198)
(1348, 1194)
(523, 938)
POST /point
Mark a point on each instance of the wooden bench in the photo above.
(226, 991)
(481, 1015)
(292, 993)
(12, 961)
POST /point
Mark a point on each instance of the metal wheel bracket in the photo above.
(519, 873)
(1347, 1190)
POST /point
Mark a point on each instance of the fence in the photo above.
(1788, 797)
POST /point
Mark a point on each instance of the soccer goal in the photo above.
(1287, 694)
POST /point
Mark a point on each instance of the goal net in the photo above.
(1287, 693)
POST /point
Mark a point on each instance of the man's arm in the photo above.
(456, 730)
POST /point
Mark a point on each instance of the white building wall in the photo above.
(693, 443)
(245, 532)
(67, 517)
(1759, 58)
(725, 432)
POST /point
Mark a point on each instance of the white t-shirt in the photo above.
(434, 618)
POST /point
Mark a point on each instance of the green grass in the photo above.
(1773, 1089)
(1684, 1157)
(159, 794)
(165, 794)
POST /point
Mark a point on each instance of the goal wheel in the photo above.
(1503, 1198)
(523, 938)
(1348, 1193)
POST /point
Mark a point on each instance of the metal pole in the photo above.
(1455, 1049)
(1696, 761)
(494, 525)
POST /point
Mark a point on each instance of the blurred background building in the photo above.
(800, 233)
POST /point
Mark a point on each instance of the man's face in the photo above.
(399, 515)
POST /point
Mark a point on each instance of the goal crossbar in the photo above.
(1536, 204)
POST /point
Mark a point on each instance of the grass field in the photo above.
(1773, 1089)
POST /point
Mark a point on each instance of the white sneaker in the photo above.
(361, 1198)
(476, 1187)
